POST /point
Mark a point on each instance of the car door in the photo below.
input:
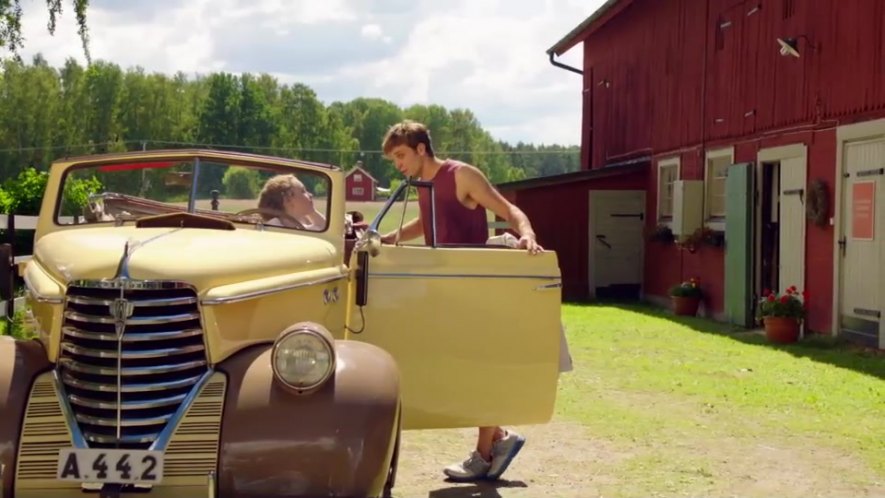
(475, 330)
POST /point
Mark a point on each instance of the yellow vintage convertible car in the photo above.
(213, 323)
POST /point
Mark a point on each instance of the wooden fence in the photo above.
(15, 222)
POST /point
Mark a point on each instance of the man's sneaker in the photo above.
(503, 452)
(474, 467)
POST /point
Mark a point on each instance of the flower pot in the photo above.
(781, 329)
(685, 306)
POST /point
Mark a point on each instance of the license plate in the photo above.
(97, 465)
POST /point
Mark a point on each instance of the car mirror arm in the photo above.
(369, 242)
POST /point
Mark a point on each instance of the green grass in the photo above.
(673, 389)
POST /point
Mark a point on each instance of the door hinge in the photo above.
(871, 172)
(866, 312)
(641, 216)
(842, 242)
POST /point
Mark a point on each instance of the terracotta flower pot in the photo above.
(781, 329)
(685, 306)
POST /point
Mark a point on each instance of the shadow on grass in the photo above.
(479, 489)
(834, 351)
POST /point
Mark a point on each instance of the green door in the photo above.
(738, 245)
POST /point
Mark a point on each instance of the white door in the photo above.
(616, 240)
(791, 226)
(860, 241)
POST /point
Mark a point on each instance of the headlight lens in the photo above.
(303, 358)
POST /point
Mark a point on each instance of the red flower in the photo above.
(805, 295)
(771, 297)
(785, 299)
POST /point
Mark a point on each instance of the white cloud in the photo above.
(485, 55)
(374, 32)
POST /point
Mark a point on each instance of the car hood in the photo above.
(203, 258)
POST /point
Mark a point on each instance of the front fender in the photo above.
(20, 363)
(337, 441)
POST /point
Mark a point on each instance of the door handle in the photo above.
(601, 238)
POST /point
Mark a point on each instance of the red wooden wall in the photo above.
(559, 215)
(667, 77)
(667, 74)
(666, 265)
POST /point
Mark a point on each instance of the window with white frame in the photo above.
(668, 172)
(357, 191)
(357, 177)
(714, 182)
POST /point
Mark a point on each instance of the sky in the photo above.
(485, 55)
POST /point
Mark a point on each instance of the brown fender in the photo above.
(338, 441)
(20, 362)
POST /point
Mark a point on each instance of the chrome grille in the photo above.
(158, 360)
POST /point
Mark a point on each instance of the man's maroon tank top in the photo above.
(455, 223)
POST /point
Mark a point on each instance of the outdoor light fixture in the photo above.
(790, 46)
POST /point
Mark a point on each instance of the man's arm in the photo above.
(411, 230)
(479, 189)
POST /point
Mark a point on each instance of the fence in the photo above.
(10, 223)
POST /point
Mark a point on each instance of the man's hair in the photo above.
(410, 133)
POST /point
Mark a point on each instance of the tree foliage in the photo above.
(47, 113)
(11, 23)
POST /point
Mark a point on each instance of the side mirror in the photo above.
(370, 243)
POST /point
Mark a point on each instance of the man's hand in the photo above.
(528, 242)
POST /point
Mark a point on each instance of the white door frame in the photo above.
(867, 130)
(591, 237)
(779, 154)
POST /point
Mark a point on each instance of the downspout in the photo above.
(564, 66)
(590, 145)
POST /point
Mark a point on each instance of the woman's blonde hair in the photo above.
(275, 192)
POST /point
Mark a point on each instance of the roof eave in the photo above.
(626, 167)
(601, 16)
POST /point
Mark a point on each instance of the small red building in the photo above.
(755, 129)
(360, 184)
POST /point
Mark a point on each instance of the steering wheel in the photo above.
(272, 212)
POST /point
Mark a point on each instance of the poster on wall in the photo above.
(863, 210)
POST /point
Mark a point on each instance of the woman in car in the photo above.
(287, 196)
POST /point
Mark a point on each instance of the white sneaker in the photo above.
(503, 452)
(472, 468)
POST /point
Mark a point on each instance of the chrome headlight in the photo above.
(303, 357)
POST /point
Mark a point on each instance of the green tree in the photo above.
(11, 27)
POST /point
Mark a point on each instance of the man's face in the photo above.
(407, 160)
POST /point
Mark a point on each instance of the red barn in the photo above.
(360, 184)
(753, 129)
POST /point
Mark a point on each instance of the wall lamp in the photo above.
(790, 46)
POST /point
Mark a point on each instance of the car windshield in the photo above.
(295, 198)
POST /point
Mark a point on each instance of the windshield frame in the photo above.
(278, 165)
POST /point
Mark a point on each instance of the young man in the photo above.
(462, 195)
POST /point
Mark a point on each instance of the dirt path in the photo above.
(560, 459)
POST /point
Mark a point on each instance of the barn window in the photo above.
(357, 191)
(716, 171)
(358, 177)
(668, 172)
